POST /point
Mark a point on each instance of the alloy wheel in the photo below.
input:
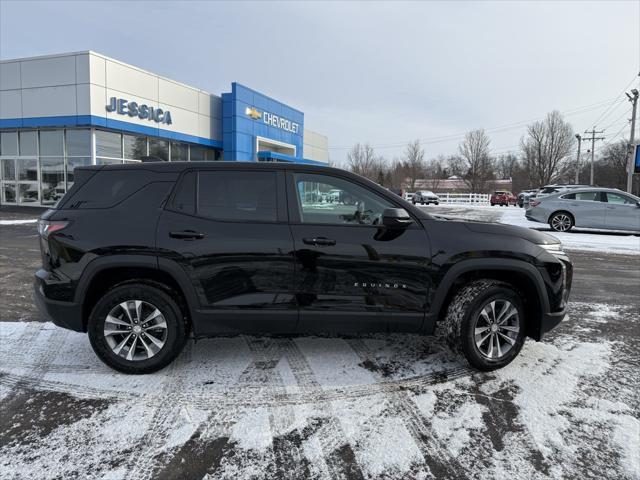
(561, 222)
(496, 329)
(135, 330)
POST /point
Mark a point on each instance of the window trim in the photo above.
(295, 209)
(281, 212)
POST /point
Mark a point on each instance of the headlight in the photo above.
(554, 249)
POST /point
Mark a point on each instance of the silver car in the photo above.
(601, 208)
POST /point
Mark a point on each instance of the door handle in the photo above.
(319, 241)
(186, 235)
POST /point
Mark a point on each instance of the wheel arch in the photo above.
(105, 273)
(522, 276)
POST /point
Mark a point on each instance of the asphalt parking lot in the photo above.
(372, 406)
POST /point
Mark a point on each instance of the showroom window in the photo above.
(135, 147)
(179, 152)
(8, 143)
(51, 143)
(78, 143)
(29, 144)
(108, 144)
(197, 153)
(159, 149)
(52, 183)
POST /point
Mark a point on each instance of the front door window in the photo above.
(331, 200)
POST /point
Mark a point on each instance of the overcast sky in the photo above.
(384, 73)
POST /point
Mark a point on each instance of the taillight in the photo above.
(534, 203)
(46, 227)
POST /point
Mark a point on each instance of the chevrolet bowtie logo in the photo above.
(253, 113)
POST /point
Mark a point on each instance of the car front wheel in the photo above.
(485, 322)
(561, 222)
(137, 328)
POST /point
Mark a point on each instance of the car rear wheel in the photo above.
(561, 222)
(137, 328)
(485, 322)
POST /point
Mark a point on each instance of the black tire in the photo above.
(493, 204)
(414, 202)
(462, 315)
(561, 221)
(176, 331)
(436, 203)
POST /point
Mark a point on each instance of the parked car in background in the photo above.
(425, 197)
(555, 188)
(523, 197)
(601, 208)
(503, 198)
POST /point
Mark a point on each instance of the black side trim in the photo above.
(485, 264)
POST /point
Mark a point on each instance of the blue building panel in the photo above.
(247, 114)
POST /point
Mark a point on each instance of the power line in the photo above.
(615, 122)
(618, 97)
(444, 138)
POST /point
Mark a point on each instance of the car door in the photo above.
(586, 208)
(353, 274)
(622, 212)
(228, 231)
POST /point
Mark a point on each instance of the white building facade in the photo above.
(61, 111)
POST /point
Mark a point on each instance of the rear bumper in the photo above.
(63, 314)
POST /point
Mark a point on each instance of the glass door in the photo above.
(8, 181)
(27, 192)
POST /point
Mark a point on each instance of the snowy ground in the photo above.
(310, 407)
(577, 239)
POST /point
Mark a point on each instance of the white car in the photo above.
(425, 197)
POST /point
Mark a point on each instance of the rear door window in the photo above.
(618, 199)
(588, 196)
(237, 195)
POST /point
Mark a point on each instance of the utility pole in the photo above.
(578, 159)
(633, 98)
(593, 148)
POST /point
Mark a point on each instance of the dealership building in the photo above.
(61, 111)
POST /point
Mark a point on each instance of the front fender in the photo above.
(478, 265)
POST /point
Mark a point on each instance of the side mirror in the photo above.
(396, 218)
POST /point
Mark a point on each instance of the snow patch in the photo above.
(18, 222)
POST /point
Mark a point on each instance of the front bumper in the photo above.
(549, 321)
(63, 314)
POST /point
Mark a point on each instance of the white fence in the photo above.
(464, 198)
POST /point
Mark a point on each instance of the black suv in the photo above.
(144, 256)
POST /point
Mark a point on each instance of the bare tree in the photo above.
(414, 163)
(435, 171)
(611, 166)
(546, 146)
(474, 150)
(506, 166)
(361, 159)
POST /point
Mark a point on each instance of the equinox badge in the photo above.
(379, 285)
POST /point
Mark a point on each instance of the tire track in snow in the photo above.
(435, 455)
